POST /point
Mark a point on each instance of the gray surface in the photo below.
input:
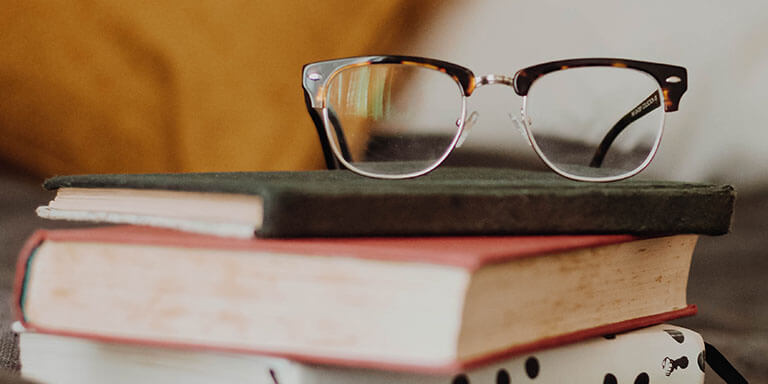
(729, 283)
(728, 278)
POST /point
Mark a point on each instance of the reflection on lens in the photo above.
(596, 122)
(393, 119)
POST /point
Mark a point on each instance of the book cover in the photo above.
(436, 304)
(659, 354)
(448, 201)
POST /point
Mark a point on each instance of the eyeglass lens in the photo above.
(595, 122)
(393, 119)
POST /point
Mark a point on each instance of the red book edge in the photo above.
(448, 368)
(469, 252)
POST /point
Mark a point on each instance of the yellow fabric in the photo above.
(167, 86)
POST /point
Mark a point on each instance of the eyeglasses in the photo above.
(393, 117)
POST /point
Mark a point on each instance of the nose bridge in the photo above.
(495, 79)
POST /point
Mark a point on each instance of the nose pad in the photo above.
(519, 125)
(469, 122)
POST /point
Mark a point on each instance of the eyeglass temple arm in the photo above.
(330, 160)
(646, 106)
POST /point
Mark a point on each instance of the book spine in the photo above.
(20, 278)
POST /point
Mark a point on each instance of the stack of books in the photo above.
(462, 276)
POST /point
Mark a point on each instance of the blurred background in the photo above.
(109, 86)
(719, 132)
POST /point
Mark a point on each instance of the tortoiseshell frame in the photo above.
(672, 81)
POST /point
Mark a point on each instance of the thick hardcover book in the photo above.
(448, 201)
(437, 304)
(659, 354)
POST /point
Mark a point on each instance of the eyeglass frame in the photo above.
(671, 79)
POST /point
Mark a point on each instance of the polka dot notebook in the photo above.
(658, 354)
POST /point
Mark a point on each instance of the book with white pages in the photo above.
(659, 354)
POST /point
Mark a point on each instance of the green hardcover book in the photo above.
(448, 201)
